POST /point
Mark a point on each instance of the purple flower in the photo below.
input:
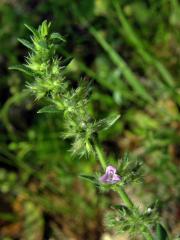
(110, 176)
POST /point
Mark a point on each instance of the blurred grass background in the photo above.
(131, 51)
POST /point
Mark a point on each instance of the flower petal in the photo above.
(110, 176)
(111, 169)
(104, 178)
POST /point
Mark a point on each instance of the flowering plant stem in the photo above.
(49, 83)
(120, 190)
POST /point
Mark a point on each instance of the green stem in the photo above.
(125, 198)
(100, 156)
(123, 195)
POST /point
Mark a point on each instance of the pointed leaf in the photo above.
(123, 208)
(126, 157)
(44, 28)
(66, 61)
(89, 178)
(111, 120)
(57, 36)
(106, 123)
(33, 30)
(49, 109)
(21, 68)
(161, 232)
(26, 43)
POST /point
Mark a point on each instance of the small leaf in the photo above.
(122, 208)
(49, 109)
(21, 68)
(106, 123)
(161, 232)
(126, 157)
(89, 178)
(66, 61)
(26, 43)
(57, 36)
(111, 120)
(44, 28)
(33, 30)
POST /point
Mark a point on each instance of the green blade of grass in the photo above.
(119, 61)
(139, 45)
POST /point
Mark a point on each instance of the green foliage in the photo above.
(7, 181)
(47, 70)
(91, 179)
(131, 78)
(33, 222)
(133, 221)
(142, 34)
(130, 170)
(161, 232)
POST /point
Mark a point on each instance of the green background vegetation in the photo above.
(130, 50)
